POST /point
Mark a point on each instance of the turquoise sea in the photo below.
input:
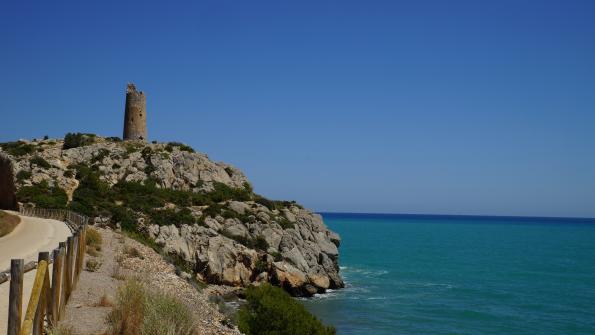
(418, 274)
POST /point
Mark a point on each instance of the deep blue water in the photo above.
(409, 274)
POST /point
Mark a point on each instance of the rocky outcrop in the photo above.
(250, 241)
(169, 165)
(303, 258)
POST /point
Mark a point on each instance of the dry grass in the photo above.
(91, 251)
(132, 252)
(141, 311)
(117, 271)
(104, 301)
(7, 223)
(92, 265)
(60, 330)
(94, 239)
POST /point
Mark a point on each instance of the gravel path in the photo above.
(86, 312)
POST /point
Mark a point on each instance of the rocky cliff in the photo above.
(203, 214)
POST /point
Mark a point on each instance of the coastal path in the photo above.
(34, 239)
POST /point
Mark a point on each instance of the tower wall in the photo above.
(135, 115)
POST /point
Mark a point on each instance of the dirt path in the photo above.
(31, 236)
(121, 258)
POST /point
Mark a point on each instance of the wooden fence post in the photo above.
(43, 298)
(56, 285)
(82, 248)
(75, 261)
(63, 261)
(35, 301)
(15, 304)
(69, 256)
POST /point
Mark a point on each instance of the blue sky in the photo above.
(464, 107)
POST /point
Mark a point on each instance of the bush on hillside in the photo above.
(39, 161)
(270, 310)
(18, 148)
(23, 174)
(171, 216)
(181, 146)
(43, 195)
(75, 140)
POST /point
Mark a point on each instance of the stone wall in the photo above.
(7, 188)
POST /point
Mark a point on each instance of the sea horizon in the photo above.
(460, 216)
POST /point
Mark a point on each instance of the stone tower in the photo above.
(135, 115)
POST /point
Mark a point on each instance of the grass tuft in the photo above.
(92, 265)
(93, 238)
(131, 251)
(141, 311)
(104, 301)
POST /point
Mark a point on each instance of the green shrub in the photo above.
(75, 140)
(132, 147)
(264, 201)
(99, 155)
(274, 204)
(261, 266)
(18, 148)
(171, 216)
(270, 310)
(22, 175)
(277, 256)
(181, 146)
(260, 243)
(222, 192)
(285, 223)
(43, 195)
(39, 161)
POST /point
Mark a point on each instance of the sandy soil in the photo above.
(7, 223)
(85, 312)
(30, 237)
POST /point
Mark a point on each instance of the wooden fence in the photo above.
(50, 291)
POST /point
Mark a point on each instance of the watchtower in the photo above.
(135, 114)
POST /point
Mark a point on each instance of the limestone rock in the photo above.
(246, 243)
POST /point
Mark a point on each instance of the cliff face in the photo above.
(202, 213)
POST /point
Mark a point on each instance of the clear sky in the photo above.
(465, 107)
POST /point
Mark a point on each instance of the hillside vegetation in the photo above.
(204, 215)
